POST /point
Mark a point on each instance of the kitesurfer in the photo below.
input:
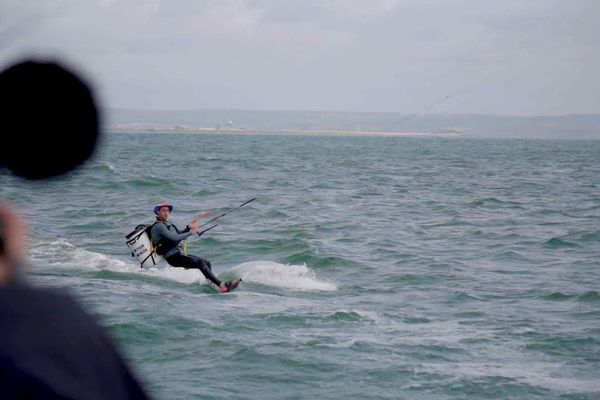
(167, 238)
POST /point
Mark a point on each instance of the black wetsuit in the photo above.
(167, 238)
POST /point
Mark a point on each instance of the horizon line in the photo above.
(346, 112)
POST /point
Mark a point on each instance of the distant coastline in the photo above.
(313, 123)
(280, 132)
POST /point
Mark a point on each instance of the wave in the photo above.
(584, 236)
(574, 239)
(62, 254)
(565, 346)
(590, 236)
(146, 182)
(492, 202)
(100, 167)
(345, 316)
(557, 243)
(557, 296)
(590, 296)
(461, 297)
(413, 279)
(283, 276)
(308, 257)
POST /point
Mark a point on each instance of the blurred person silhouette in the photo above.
(50, 347)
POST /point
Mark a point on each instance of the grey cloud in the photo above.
(509, 57)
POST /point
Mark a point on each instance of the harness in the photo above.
(163, 246)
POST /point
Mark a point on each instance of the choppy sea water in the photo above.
(373, 267)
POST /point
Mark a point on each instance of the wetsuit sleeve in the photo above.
(160, 231)
(186, 230)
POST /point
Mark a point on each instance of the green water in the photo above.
(374, 268)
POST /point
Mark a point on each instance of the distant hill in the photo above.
(575, 126)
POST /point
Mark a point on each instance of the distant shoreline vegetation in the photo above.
(312, 123)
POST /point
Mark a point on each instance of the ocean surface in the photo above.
(373, 267)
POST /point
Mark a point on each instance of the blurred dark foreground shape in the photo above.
(50, 348)
(48, 120)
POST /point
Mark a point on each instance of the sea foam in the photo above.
(293, 277)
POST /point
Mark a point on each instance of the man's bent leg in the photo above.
(190, 261)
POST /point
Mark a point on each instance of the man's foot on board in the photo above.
(229, 285)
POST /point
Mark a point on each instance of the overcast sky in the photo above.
(518, 57)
